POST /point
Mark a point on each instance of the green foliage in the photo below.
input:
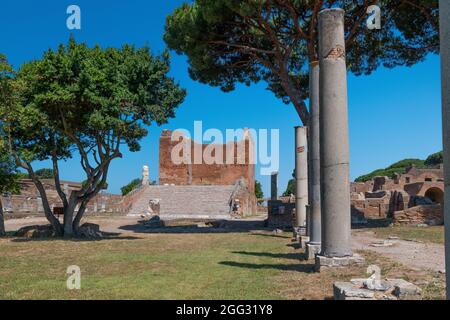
(240, 41)
(131, 186)
(259, 191)
(291, 188)
(44, 173)
(407, 163)
(91, 102)
(401, 166)
(435, 159)
(8, 174)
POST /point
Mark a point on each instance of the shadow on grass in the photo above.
(304, 268)
(373, 224)
(271, 235)
(109, 236)
(294, 245)
(292, 256)
(213, 226)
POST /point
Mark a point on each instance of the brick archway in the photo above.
(435, 194)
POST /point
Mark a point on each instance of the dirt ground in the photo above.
(416, 255)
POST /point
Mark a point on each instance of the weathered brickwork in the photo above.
(29, 202)
(415, 196)
(227, 189)
(195, 173)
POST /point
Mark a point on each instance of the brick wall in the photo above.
(206, 174)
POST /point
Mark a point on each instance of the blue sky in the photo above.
(394, 114)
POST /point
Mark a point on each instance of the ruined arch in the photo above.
(435, 194)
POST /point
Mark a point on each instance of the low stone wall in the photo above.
(29, 205)
(424, 214)
(281, 215)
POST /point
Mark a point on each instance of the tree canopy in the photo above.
(259, 191)
(8, 181)
(291, 187)
(435, 159)
(131, 186)
(45, 173)
(90, 103)
(247, 41)
(400, 167)
(8, 174)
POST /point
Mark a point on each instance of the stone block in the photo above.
(405, 290)
(312, 250)
(303, 241)
(389, 289)
(349, 291)
(323, 263)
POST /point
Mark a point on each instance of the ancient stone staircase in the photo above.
(186, 202)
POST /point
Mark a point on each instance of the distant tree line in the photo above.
(400, 167)
(396, 168)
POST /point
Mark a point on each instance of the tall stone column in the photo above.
(334, 142)
(444, 12)
(315, 225)
(301, 176)
(274, 186)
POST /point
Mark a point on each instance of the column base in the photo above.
(303, 241)
(312, 250)
(323, 263)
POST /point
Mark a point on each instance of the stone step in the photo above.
(187, 201)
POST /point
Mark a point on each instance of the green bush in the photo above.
(401, 166)
(435, 159)
(131, 186)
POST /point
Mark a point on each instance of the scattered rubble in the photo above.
(388, 289)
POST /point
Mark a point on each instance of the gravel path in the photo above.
(415, 255)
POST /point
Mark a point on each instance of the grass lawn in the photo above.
(176, 266)
(428, 234)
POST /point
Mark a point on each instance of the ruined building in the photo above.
(195, 189)
(187, 191)
(413, 197)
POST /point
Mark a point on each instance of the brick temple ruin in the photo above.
(414, 197)
(185, 191)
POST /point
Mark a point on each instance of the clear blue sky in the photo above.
(394, 114)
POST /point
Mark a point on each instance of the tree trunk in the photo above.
(68, 217)
(79, 216)
(48, 211)
(2, 220)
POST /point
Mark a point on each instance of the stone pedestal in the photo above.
(444, 12)
(334, 144)
(324, 263)
(303, 241)
(312, 250)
